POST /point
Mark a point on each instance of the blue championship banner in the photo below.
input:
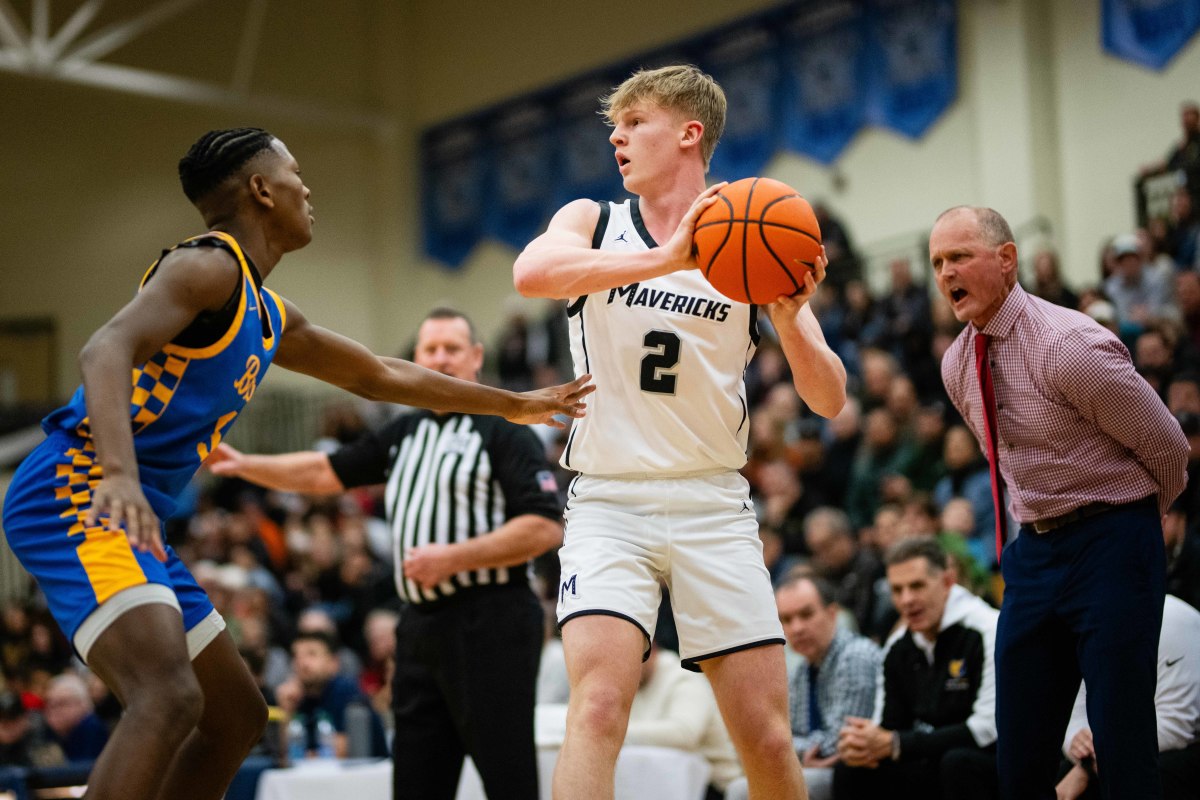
(745, 62)
(807, 76)
(825, 74)
(1148, 32)
(914, 77)
(453, 190)
(524, 160)
(586, 161)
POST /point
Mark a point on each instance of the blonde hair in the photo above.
(682, 88)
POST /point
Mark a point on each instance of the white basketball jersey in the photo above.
(668, 357)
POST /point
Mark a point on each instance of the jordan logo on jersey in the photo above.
(637, 295)
(246, 384)
(622, 238)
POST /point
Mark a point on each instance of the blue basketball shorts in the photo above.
(84, 569)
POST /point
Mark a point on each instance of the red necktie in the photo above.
(988, 392)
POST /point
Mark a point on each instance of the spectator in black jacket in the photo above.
(934, 734)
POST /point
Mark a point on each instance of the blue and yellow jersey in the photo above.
(185, 398)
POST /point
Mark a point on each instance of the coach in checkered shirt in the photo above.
(1091, 460)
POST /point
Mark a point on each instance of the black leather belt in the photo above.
(1083, 512)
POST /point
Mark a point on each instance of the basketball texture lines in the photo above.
(756, 241)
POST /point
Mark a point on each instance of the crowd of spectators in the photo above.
(291, 573)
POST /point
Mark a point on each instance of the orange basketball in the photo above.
(757, 240)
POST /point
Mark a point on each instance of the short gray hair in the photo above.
(993, 227)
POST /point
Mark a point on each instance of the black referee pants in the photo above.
(464, 685)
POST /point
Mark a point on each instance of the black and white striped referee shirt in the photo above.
(451, 478)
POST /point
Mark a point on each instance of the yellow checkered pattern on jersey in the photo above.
(153, 387)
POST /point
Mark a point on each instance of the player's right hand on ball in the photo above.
(543, 405)
(679, 250)
(120, 499)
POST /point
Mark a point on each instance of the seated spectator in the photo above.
(778, 563)
(1183, 231)
(676, 708)
(72, 720)
(316, 619)
(1176, 705)
(835, 677)
(882, 453)
(935, 732)
(24, 739)
(928, 443)
(1183, 393)
(852, 570)
(879, 369)
(783, 501)
(845, 437)
(908, 324)
(1140, 293)
(954, 528)
(316, 689)
(1183, 555)
(967, 477)
(1187, 296)
(1048, 283)
(379, 631)
(1153, 357)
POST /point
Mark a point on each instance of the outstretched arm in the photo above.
(307, 472)
(818, 373)
(343, 362)
(186, 283)
(561, 263)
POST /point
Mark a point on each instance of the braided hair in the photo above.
(218, 154)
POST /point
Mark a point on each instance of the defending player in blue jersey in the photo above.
(82, 513)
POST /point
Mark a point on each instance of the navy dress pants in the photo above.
(1084, 600)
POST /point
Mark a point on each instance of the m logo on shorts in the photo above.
(568, 584)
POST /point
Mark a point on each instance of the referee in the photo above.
(470, 500)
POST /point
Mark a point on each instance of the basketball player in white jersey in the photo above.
(659, 497)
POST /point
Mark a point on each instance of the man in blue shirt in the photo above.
(317, 691)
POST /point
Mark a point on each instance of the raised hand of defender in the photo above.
(542, 405)
(679, 249)
(225, 461)
(120, 499)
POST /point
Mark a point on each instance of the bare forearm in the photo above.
(515, 542)
(408, 384)
(818, 373)
(562, 271)
(108, 388)
(305, 472)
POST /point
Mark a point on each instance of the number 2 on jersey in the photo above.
(664, 355)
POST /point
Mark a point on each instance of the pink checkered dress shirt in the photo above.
(1075, 423)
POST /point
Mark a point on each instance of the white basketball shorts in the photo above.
(698, 536)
